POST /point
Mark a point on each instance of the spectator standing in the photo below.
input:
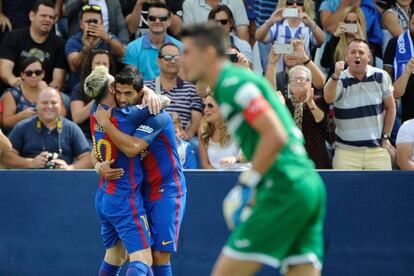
(223, 16)
(196, 11)
(81, 104)
(398, 62)
(405, 146)
(185, 150)
(37, 40)
(112, 18)
(92, 36)
(33, 139)
(217, 149)
(336, 46)
(136, 15)
(143, 52)
(310, 115)
(362, 96)
(280, 80)
(395, 20)
(331, 12)
(20, 102)
(281, 30)
(184, 99)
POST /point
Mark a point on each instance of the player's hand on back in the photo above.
(151, 100)
(109, 173)
(103, 116)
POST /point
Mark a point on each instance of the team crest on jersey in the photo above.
(98, 128)
(145, 128)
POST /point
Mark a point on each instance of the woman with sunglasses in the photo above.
(20, 102)
(285, 25)
(336, 46)
(80, 103)
(217, 149)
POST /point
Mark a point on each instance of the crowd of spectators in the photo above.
(344, 69)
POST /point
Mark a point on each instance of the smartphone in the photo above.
(351, 28)
(92, 20)
(290, 12)
(283, 49)
(233, 58)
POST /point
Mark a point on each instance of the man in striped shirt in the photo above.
(184, 99)
(362, 96)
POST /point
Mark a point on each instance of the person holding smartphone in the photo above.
(292, 19)
(92, 36)
(350, 27)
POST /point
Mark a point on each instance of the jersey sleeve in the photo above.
(136, 114)
(150, 129)
(251, 102)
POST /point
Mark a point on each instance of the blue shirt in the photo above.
(30, 142)
(126, 120)
(163, 173)
(75, 45)
(142, 54)
(187, 154)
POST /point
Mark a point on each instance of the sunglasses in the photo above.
(297, 2)
(154, 18)
(350, 22)
(209, 106)
(30, 73)
(91, 7)
(170, 57)
(222, 21)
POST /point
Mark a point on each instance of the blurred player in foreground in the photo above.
(119, 202)
(164, 187)
(284, 226)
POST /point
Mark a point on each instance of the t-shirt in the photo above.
(407, 100)
(196, 11)
(30, 142)
(163, 173)
(18, 12)
(243, 96)
(184, 100)
(78, 95)
(263, 9)
(18, 45)
(406, 135)
(187, 154)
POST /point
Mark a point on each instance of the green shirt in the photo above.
(240, 94)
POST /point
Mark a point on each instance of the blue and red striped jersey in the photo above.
(126, 120)
(163, 173)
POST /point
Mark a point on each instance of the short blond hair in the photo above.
(97, 83)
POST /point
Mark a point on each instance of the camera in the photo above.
(50, 157)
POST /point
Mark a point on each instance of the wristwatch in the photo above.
(386, 136)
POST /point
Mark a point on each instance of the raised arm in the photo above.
(329, 92)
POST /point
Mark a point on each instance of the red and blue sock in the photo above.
(137, 268)
(109, 270)
(162, 270)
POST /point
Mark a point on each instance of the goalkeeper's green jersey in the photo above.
(243, 96)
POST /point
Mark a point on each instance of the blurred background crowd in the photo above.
(48, 48)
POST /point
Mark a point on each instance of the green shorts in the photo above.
(286, 224)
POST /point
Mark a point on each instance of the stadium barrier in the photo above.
(48, 224)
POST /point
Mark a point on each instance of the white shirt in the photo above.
(216, 153)
(104, 10)
(406, 135)
(196, 11)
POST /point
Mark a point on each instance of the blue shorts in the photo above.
(165, 217)
(123, 218)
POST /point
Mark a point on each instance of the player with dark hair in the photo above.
(119, 202)
(164, 188)
(284, 225)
